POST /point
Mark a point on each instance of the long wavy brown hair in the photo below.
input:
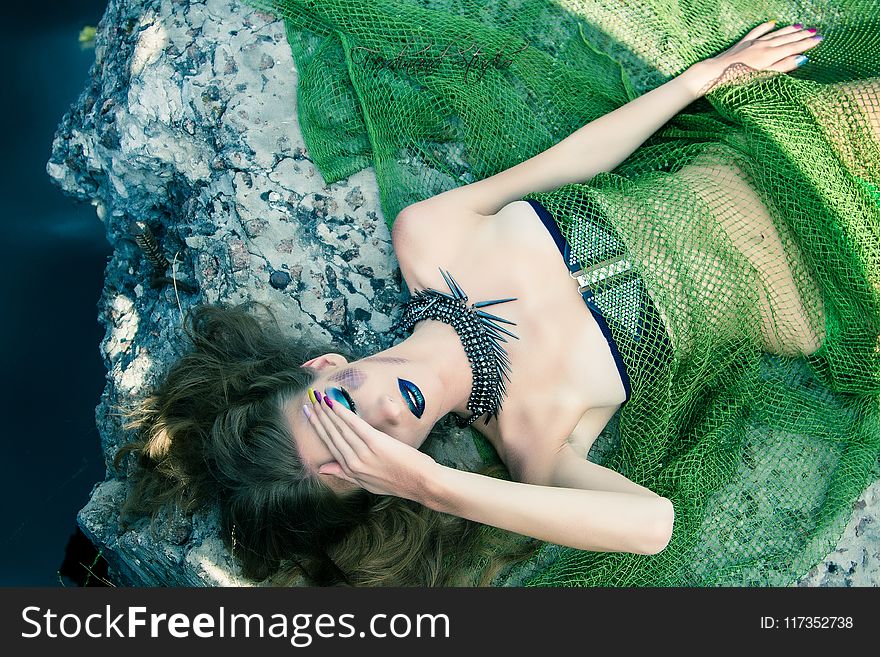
(214, 432)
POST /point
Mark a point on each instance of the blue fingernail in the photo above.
(800, 60)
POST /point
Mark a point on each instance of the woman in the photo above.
(545, 369)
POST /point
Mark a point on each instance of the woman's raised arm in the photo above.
(598, 146)
(604, 143)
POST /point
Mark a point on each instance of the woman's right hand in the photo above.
(369, 457)
(764, 48)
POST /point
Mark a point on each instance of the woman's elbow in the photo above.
(660, 528)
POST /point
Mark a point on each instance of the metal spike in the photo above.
(448, 282)
(457, 287)
(448, 296)
(495, 317)
(453, 286)
(481, 304)
(493, 331)
(505, 331)
(489, 322)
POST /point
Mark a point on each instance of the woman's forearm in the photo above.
(602, 144)
(599, 146)
(595, 520)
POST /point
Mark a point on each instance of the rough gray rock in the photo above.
(188, 124)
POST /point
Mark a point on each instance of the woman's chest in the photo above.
(563, 379)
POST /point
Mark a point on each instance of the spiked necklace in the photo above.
(480, 336)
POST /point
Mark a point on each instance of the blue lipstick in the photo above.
(413, 396)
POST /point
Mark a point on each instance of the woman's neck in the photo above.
(437, 346)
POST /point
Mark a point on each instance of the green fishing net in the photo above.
(753, 217)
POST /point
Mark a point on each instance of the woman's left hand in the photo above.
(764, 48)
(369, 457)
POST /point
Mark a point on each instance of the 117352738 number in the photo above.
(806, 622)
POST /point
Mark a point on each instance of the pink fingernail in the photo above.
(812, 30)
(307, 411)
(329, 402)
(797, 26)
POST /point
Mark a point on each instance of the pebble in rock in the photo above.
(279, 279)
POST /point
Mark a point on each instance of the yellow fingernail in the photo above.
(312, 396)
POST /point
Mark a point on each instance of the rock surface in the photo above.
(188, 124)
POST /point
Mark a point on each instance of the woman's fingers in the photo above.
(316, 424)
(786, 64)
(345, 418)
(790, 56)
(789, 32)
(769, 35)
(794, 47)
(345, 445)
(761, 29)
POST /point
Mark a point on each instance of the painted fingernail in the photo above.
(328, 400)
(319, 397)
(307, 411)
(812, 30)
(800, 60)
(797, 26)
(312, 396)
(818, 37)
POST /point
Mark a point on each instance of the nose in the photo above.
(390, 410)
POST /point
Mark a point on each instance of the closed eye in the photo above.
(348, 398)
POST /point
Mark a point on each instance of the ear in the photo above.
(337, 476)
(326, 360)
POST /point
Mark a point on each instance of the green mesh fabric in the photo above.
(753, 217)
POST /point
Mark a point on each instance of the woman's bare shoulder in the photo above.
(425, 228)
(424, 235)
(418, 225)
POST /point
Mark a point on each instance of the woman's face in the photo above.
(394, 395)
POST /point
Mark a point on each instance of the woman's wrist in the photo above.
(699, 78)
(433, 493)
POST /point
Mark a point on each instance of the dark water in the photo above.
(53, 252)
